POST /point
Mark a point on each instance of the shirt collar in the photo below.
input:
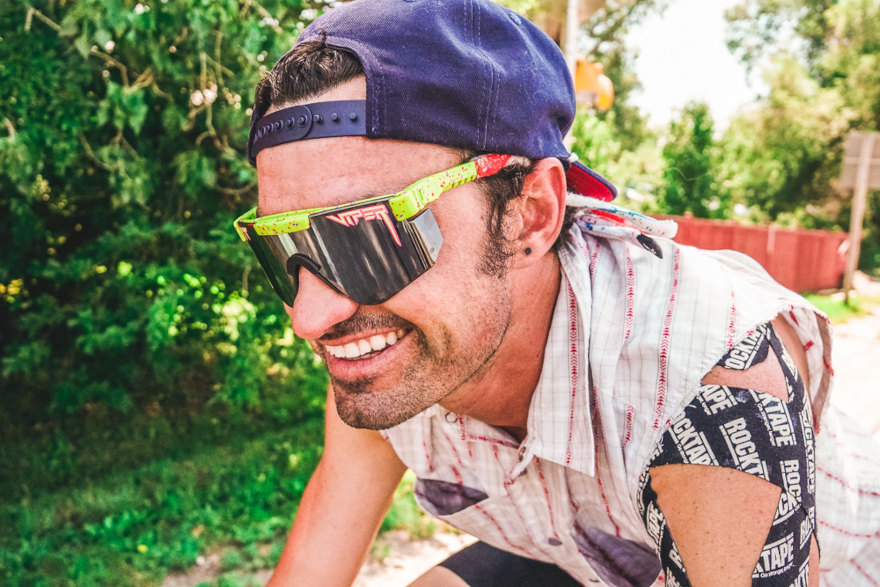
(559, 424)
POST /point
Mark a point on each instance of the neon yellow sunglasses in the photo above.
(367, 250)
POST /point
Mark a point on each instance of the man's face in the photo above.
(448, 323)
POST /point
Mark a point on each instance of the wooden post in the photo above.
(860, 195)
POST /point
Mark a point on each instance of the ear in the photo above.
(541, 210)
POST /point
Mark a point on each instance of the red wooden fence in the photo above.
(801, 260)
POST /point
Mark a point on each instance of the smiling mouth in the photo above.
(365, 348)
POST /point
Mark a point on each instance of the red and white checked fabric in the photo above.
(631, 338)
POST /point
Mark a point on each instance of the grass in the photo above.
(132, 528)
(405, 514)
(838, 311)
(233, 497)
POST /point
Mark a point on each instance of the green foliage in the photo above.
(406, 514)
(130, 528)
(143, 356)
(689, 166)
(782, 156)
(637, 173)
(604, 43)
(759, 28)
(123, 288)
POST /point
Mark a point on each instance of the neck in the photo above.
(501, 395)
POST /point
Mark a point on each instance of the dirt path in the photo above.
(410, 558)
(856, 361)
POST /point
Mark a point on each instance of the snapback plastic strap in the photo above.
(311, 121)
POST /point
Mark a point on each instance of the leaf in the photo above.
(83, 45)
(102, 37)
(136, 109)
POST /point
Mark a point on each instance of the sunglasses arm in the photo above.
(413, 200)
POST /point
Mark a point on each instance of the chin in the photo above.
(376, 410)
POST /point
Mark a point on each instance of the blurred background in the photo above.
(157, 415)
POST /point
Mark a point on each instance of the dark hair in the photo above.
(313, 68)
(308, 70)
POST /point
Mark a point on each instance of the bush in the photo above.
(128, 305)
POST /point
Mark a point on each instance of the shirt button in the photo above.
(554, 542)
(451, 418)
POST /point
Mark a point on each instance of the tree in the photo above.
(784, 156)
(688, 176)
(759, 29)
(604, 42)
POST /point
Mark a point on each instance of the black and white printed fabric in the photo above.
(756, 433)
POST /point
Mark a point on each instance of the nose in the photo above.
(317, 307)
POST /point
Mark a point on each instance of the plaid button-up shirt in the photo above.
(631, 338)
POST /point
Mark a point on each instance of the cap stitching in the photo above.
(483, 121)
(380, 89)
(474, 38)
(495, 104)
(491, 77)
(494, 108)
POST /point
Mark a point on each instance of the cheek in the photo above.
(454, 278)
(462, 220)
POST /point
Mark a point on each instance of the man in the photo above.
(594, 402)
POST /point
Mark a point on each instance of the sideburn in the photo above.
(501, 190)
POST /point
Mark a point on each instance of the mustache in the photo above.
(362, 321)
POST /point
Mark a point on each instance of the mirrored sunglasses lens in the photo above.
(269, 252)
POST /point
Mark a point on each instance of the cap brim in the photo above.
(586, 182)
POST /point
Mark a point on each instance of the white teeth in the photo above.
(377, 343)
(365, 346)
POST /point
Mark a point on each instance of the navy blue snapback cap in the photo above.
(468, 74)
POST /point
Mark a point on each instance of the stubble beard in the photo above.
(362, 404)
(438, 368)
(427, 380)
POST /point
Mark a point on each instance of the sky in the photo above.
(683, 57)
